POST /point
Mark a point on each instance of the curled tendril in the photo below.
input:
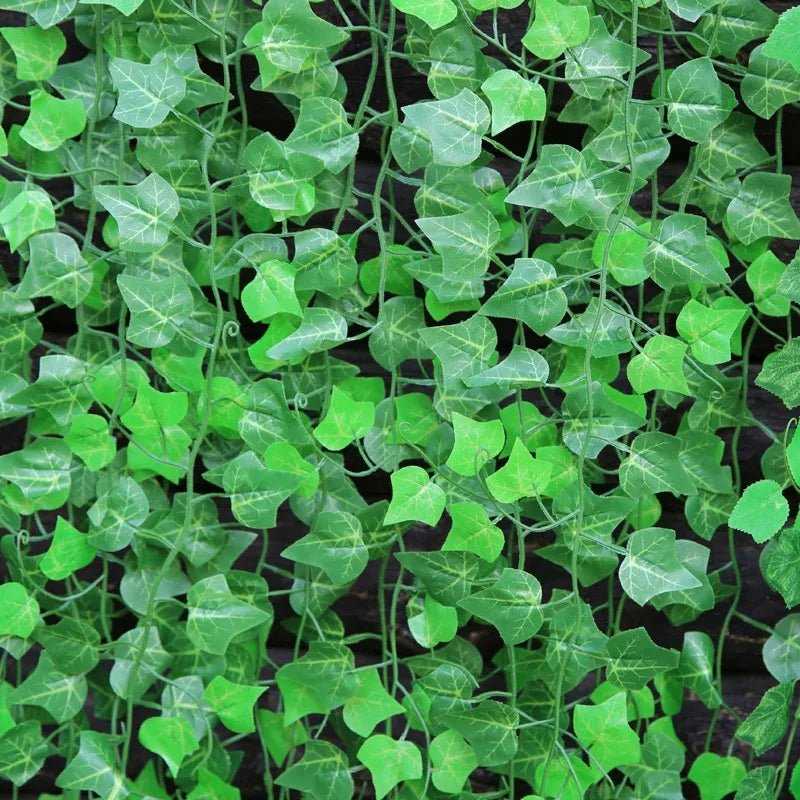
(300, 400)
(231, 328)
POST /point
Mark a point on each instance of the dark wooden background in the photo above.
(745, 678)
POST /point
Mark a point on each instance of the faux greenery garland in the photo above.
(161, 443)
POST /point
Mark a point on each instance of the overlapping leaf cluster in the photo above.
(265, 336)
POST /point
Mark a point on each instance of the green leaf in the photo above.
(490, 729)
(22, 752)
(782, 41)
(454, 125)
(137, 644)
(36, 50)
(335, 545)
(762, 208)
(521, 369)
(323, 771)
(447, 576)
(769, 84)
(216, 615)
(41, 472)
(555, 28)
(233, 703)
(453, 760)
(345, 421)
(116, 515)
(521, 476)
(473, 531)
(698, 100)
(370, 704)
(321, 329)
(271, 292)
(69, 551)
(531, 294)
(89, 438)
(475, 443)
(603, 729)
(435, 623)
(435, 14)
(513, 98)
(143, 212)
(146, 92)
(57, 269)
(716, 776)
(634, 659)
(766, 724)
(29, 212)
(414, 498)
(512, 604)
(696, 668)
(171, 738)
(61, 695)
(573, 185)
(94, 768)
(758, 784)
(52, 121)
(652, 566)
(322, 132)
(780, 373)
(709, 330)
(653, 465)
(71, 644)
(659, 366)
(730, 147)
(762, 510)
(159, 308)
(389, 762)
(781, 651)
(680, 253)
(782, 564)
(395, 337)
(20, 611)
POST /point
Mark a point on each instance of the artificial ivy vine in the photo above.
(284, 387)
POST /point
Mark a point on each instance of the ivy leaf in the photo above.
(370, 704)
(762, 208)
(782, 41)
(634, 659)
(335, 545)
(41, 472)
(709, 330)
(680, 254)
(652, 566)
(69, 551)
(716, 776)
(147, 92)
(57, 269)
(233, 703)
(763, 277)
(116, 515)
(696, 668)
(20, 611)
(61, 695)
(447, 576)
(489, 727)
(159, 308)
(323, 132)
(22, 752)
(784, 559)
(521, 476)
(603, 729)
(512, 605)
(94, 768)
(698, 99)
(761, 511)
(435, 14)
(659, 366)
(321, 329)
(171, 738)
(531, 294)
(513, 98)
(465, 241)
(88, 437)
(143, 212)
(473, 531)
(323, 771)
(769, 84)
(36, 50)
(521, 369)
(345, 421)
(555, 28)
(653, 465)
(271, 292)
(29, 212)
(454, 125)
(731, 146)
(780, 373)
(52, 121)
(414, 498)
(134, 645)
(434, 622)
(453, 760)
(475, 443)
(781, 652)
(216, 615)
(462, 349)
(758, 784)
(573, 185)
(395, 337)
(389, 762)
(767, 722)
(71, 644)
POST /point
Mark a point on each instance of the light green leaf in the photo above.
(233, 703)
(698, 100)
(52, 121)
(453, 760)
(57, 269)
(147, 92)
(370, 704)
(604, 730)
(473, 531)
(61, 695)
(434, 13)
(761, 511)
(323, 771)
(36, 51)
(69, 551)
(634, 659)
(513, 98)
(345, 421)
(716, 776)
(389, 762)
(782, 41)
(29, 212)
(414, 498)
(762, 208)
(781, 652)
(766, 724)
(20, 611)
(475, 443)
(521, 476)
(555, 28)
(171, 738)
(659, 366)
